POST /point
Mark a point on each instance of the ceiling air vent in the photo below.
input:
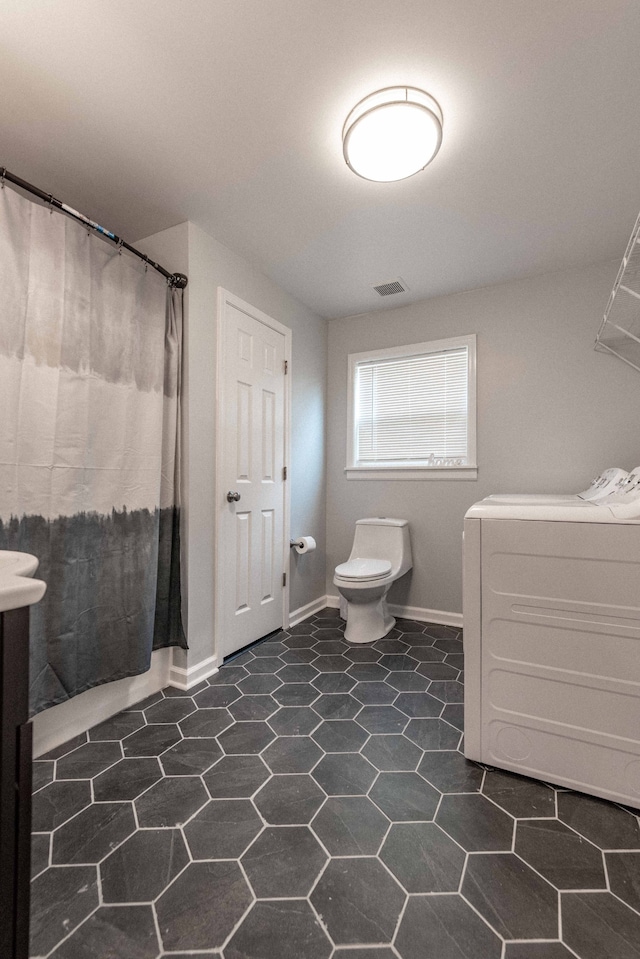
(389, 289)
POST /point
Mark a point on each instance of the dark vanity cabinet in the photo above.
(15, 784)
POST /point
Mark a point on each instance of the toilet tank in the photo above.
(381, 537)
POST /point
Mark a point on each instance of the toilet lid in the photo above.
(363, 569)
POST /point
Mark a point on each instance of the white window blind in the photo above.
(412, 410)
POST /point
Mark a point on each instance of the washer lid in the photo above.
(364, 569)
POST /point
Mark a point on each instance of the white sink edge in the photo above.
(17, 563)
(17, 588)
(19, 591)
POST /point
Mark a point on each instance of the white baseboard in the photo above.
(190, 677)
(304, 612)
(421, 615)
(56, 725)
(440, 616)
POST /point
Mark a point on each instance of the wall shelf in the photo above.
(619, 331)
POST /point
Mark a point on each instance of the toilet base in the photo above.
(367, 622)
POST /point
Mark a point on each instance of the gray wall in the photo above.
(552, 413)
(209, 264)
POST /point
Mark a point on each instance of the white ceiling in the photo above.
(144, 113)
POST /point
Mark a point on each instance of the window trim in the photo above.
(413, 471)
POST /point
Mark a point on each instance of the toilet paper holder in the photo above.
(304, 544)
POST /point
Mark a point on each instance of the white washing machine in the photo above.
(552, 640)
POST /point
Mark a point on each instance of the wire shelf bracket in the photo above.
(619, 331)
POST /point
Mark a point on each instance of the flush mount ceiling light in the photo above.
(392, 134)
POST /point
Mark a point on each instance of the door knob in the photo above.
(232, 497)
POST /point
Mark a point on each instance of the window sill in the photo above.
(401, 473)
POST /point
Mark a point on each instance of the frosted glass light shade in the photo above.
(392, 134)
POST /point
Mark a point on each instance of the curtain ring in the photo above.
(50, 204)
(2, 178)
(119, 246)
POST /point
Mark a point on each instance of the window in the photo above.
(412, 411)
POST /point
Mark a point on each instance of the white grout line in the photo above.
(484, 919)
(75, 928)
(464, 870)
(241, 920)
(619, 898)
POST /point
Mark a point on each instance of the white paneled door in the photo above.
(251, 485)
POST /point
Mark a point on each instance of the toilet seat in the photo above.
(363, 570)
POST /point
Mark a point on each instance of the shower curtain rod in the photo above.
(177, 280)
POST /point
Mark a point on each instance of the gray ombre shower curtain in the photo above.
(90, 354)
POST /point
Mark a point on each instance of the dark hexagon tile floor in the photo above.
(311, 801)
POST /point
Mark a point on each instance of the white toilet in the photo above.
(381, 553)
